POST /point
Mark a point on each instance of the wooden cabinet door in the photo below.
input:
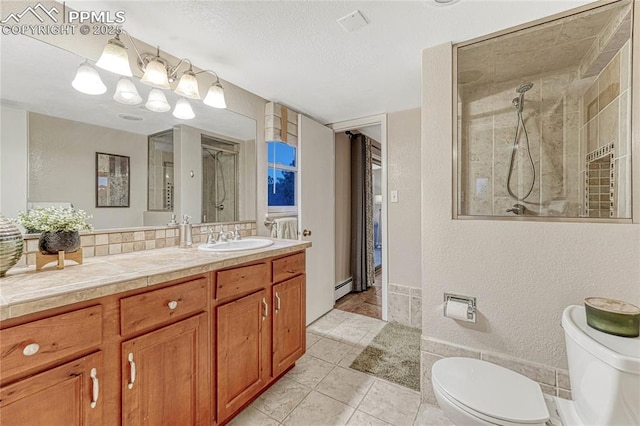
(243, 351)
(289, 337)
(67, 395)
(165, 375)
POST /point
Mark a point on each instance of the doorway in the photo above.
(372, 301)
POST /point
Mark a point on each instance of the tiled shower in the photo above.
(576, 115)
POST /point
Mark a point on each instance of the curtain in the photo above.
(362, 267)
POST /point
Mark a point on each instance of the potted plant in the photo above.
(58, 226)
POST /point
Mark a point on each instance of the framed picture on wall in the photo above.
(112, 180)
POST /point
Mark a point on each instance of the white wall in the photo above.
(14, 147)
(343, 207)
(62, 167)
(523, 273)
(403, 175)
(188, 161)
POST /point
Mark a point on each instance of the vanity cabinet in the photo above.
(243, 335)
(64, 395)
(165, 375)
(192, 351)
(49, 373)
(289, 333)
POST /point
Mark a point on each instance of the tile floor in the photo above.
(368, 303)
(321, 390)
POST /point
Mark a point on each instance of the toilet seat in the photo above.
(490, 392)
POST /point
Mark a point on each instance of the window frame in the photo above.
(280, 166)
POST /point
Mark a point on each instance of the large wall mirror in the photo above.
(204, 167)
(544, 119)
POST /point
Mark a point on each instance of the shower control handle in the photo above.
(518, 209)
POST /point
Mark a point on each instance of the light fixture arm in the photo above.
(172, 72)
(210, 72)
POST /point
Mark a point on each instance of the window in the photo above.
(281, 179)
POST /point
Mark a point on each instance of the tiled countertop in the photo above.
(24, 291)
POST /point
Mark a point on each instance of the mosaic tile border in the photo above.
(116, 241)
(596, 210)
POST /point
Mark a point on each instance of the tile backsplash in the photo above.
(116, 241)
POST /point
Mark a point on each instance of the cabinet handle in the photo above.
(172, 305)
(265, 309)
(31, 349)
(277, 302)
(132, 371)
(96, 387)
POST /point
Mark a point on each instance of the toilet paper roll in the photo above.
(456, 310)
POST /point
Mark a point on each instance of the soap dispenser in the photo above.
(185, 232)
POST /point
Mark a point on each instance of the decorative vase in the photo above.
(53, 242)
(11, 244)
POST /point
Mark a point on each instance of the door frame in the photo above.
(373, 120)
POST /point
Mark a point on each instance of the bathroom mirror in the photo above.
(168, 174)
(544, 119)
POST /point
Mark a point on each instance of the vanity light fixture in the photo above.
(188, 85)
(155, 72)
(183, 110)
(159, 73)
(88, 80)
(126, 92)
(215, 95)
(114, 58)
(157, 101)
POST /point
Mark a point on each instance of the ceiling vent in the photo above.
(353, 21)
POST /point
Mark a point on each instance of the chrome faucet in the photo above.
(211, 238)
(236, 233)
(224, 236)
(518, 209)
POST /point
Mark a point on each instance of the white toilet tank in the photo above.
(604, 372)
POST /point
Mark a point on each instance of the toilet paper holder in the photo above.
(469, 301)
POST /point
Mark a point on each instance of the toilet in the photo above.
(605, 383)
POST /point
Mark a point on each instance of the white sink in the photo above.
(236, 245)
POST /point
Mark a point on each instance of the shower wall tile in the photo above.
(624, 144)
(625, 67)
(608, 124)
(591, 135)
(590, 103)
(609, 83)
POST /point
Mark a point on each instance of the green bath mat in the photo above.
(393, 355)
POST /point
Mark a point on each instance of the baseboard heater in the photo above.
(343, 288)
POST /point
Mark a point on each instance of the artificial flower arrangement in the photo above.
(54, 219)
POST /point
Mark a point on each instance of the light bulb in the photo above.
(215, 96)
(183, 110)
(114, 58)
(155, 75)
(157, 101)
(88, 80)
(188, 86)
(126, 92)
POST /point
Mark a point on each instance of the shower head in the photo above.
(524, 87)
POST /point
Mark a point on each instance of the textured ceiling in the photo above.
(294, 52)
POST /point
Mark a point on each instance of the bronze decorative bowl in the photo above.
(613, 316)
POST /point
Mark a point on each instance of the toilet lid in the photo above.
(491, 390)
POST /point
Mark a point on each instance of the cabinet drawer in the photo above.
(241, 280)
(161, 306)
(288, 267)
(26, 347)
